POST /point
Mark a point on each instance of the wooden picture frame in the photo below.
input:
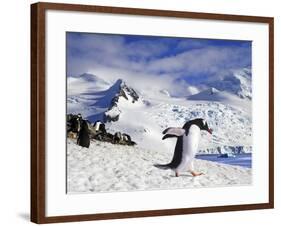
(38, 109)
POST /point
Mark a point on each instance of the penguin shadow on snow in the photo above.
(187, 175)
(182, 175)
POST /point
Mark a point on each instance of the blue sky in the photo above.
(175, 62)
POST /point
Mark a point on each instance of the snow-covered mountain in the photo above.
(121, 93)
(124, 108)
(96, 99)
(210, 94)
(214, 95)
(237, 82)
(85, 83)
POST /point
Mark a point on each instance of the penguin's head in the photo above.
(203, 125)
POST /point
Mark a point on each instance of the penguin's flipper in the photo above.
(168, 136)
(175, 131)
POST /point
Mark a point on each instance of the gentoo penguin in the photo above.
(84, 135)
(188, 138)
(97, 125)
(117, 137)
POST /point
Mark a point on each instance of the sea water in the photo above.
(244, 160)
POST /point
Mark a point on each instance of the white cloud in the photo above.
(208, 59)
(147, 63)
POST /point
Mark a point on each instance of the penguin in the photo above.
(84, 135)
(117, 137)
(97, 125)
(188, 138)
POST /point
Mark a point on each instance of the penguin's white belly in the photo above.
(189, 146)
(97, 126)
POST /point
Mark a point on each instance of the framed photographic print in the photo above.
(141, 112)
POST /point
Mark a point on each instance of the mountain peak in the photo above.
(237, 82)
(91, 78)
(119, 82)
(121, 91)
(212, 91)
(211, 94)
(88, 76)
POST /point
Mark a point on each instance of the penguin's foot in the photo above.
(196, 174)
(177, 174)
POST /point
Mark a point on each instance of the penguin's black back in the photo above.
(179, 148)
(84, 135)
(177, 154)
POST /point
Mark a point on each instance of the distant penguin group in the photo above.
(188, 138)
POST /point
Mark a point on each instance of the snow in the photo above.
(113, 113)
(191, 90)
(232, 127)
(237, 82)
(144, 114)
(214, 95)
(144, 119)
(90, 96)
(106, 167)
(165, 92)
(85, 83)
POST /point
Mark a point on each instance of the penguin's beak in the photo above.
(210, 131)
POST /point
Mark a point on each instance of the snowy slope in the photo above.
(145, 123)
(89, 95)
(85, 83)
(214, 95)
(96, 99)
(144, 118)
(105, 167)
